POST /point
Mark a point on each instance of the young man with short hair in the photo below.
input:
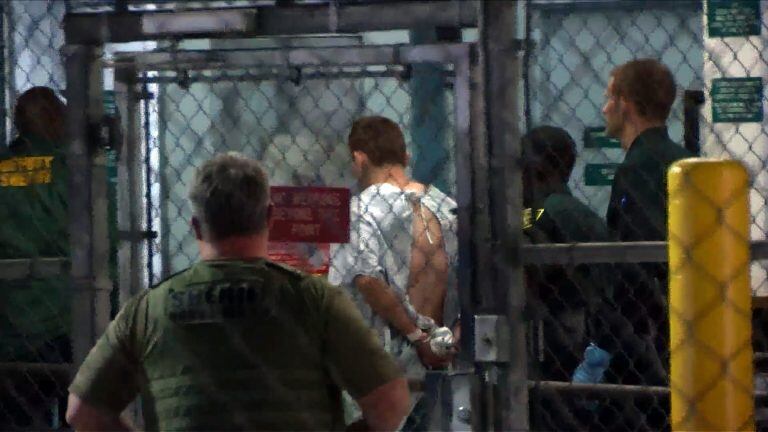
(399, 264)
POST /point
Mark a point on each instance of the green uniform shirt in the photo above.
(575, 300)
(33, 211)
(561, 218)
(247, 345)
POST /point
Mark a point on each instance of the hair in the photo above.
(230, 196)
(549, 151)
(380, 139)
(648, 84)
(39, 112)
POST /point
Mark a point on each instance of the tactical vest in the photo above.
(211, 343)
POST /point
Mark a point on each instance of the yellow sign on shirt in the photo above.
(25, 171)
(529, 218)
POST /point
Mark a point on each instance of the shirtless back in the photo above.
(429, 265)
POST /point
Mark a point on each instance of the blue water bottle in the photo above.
(592, 369)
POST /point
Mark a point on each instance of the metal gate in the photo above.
(289, 108)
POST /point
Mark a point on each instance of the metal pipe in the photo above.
(85, 28)
(554, 253)
(54, 368)
(149, 247)
(613, 5)
(129, 198)
(254, 77)
(81, 62)
(15, 269)
(4, 42)
(238, 59)
(10, 63)
(612, 390)
(612, 252)
(502, 72)
(601, 389)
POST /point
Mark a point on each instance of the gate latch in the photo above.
(492, 338)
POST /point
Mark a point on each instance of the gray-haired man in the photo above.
(236, 341)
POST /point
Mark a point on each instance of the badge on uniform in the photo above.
(528, 217)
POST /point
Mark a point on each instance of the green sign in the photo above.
(599, 174)
(595, 137)
(733, 18)
(110, 105)
(737, 100)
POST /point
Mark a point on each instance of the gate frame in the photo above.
(130, 77)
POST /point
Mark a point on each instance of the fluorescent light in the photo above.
(222, 21)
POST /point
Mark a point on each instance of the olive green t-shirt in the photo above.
(248, 345)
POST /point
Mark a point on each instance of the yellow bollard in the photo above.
(710, 297)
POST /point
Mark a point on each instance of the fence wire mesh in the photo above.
(34, 305)
(296, 122)
(605, 192)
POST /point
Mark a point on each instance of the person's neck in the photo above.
(392, 174)
(541, 191)
(239, 247)
(633, 130)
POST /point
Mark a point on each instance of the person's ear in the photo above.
(197, 228)
(359, 158)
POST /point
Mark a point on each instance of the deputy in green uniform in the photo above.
(34, 313)
(33, 210)
(567, 301)
(236, 341)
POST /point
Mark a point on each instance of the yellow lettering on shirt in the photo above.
(26, 171)
(530, 216)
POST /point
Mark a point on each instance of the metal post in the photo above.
(502, 63)
(4, 136)
(692, 102)
(465, 198)
(84, 92)
(9, 66)
(710, 314)
(128, 187)
(429, 116)
(130, 268)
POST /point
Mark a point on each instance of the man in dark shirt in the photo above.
(638, 101)
(639, 98)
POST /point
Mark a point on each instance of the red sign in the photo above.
(308, 257)
(310, 214)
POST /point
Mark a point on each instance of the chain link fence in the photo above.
(296, 120)
(35, 316)
(573, 50)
